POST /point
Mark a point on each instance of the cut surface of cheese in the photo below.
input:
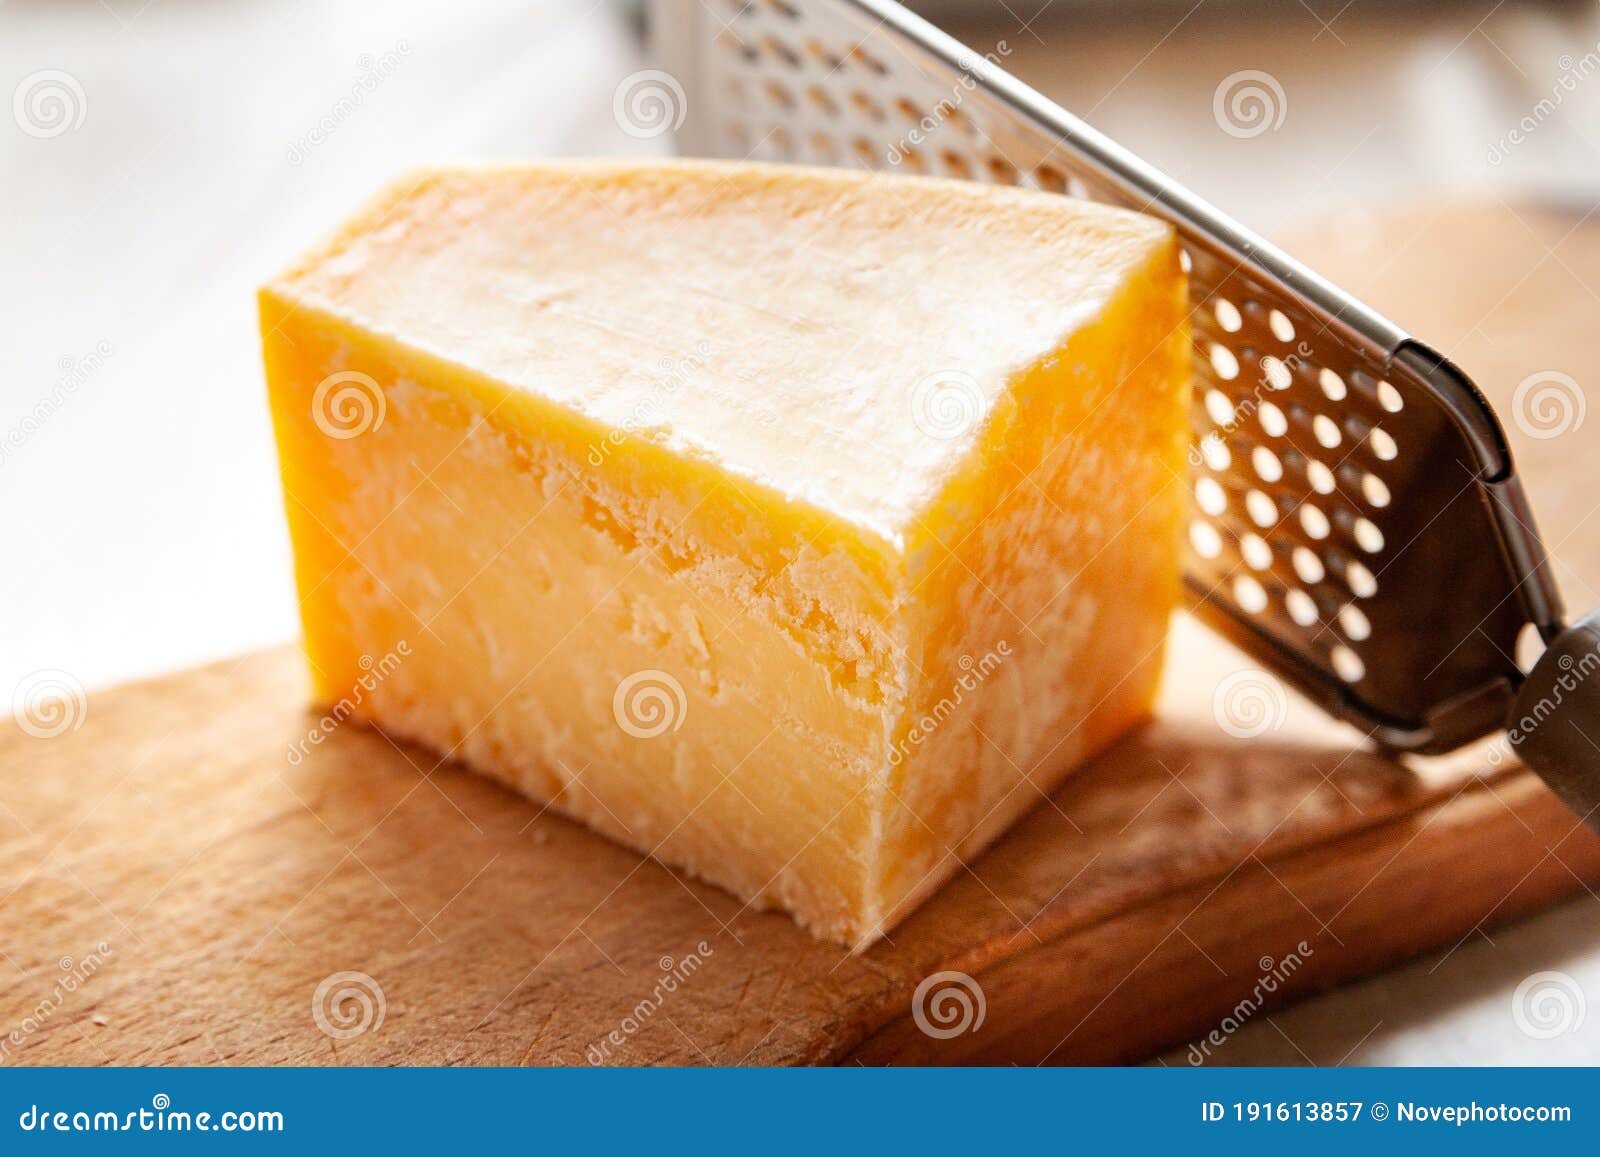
(800, 528)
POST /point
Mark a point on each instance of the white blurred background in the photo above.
(137, 478)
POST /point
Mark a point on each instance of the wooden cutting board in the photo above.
(175, 889)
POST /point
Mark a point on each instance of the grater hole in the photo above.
(1249, 594)
(867, 107)
(784, 8)
(1268, 466)
(737, 46)
(820, 53)
(1275, 373)
(1314, 522)
(782, 51)
(1228, 316)
(1214, 452)
(913, 159)
(822, 100)
(1261, 509)
(1219, 407)
(864, 152)
(1302, 607)
(738, 136)
(1374, 490)
(778, 93)
(1050, 178)
(1389, 398)
(1332, 385)
(868, 61)
(1204, 538)
(1308, 566)
(1255, 550)
(1368, 537)
(956, 164)
(1224, 362)
(1362, 582)
(823, 148)
(1282, 328)
(1347, 664)
(1354, 623)
(1320, 477)
(1210, 497)
(1383, 444)
(1003, 172)
(1272, 420)
(1326, 431)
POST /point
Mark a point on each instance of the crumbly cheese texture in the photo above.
(800, 528)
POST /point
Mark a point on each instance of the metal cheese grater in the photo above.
(1357, 526)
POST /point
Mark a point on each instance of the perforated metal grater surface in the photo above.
(1357, 524)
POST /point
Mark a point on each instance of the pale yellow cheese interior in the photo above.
(797, 527)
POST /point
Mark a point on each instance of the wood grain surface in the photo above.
(176, 887)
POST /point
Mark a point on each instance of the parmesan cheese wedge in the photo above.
(799, 528)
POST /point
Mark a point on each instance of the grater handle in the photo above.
(1555, 719)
